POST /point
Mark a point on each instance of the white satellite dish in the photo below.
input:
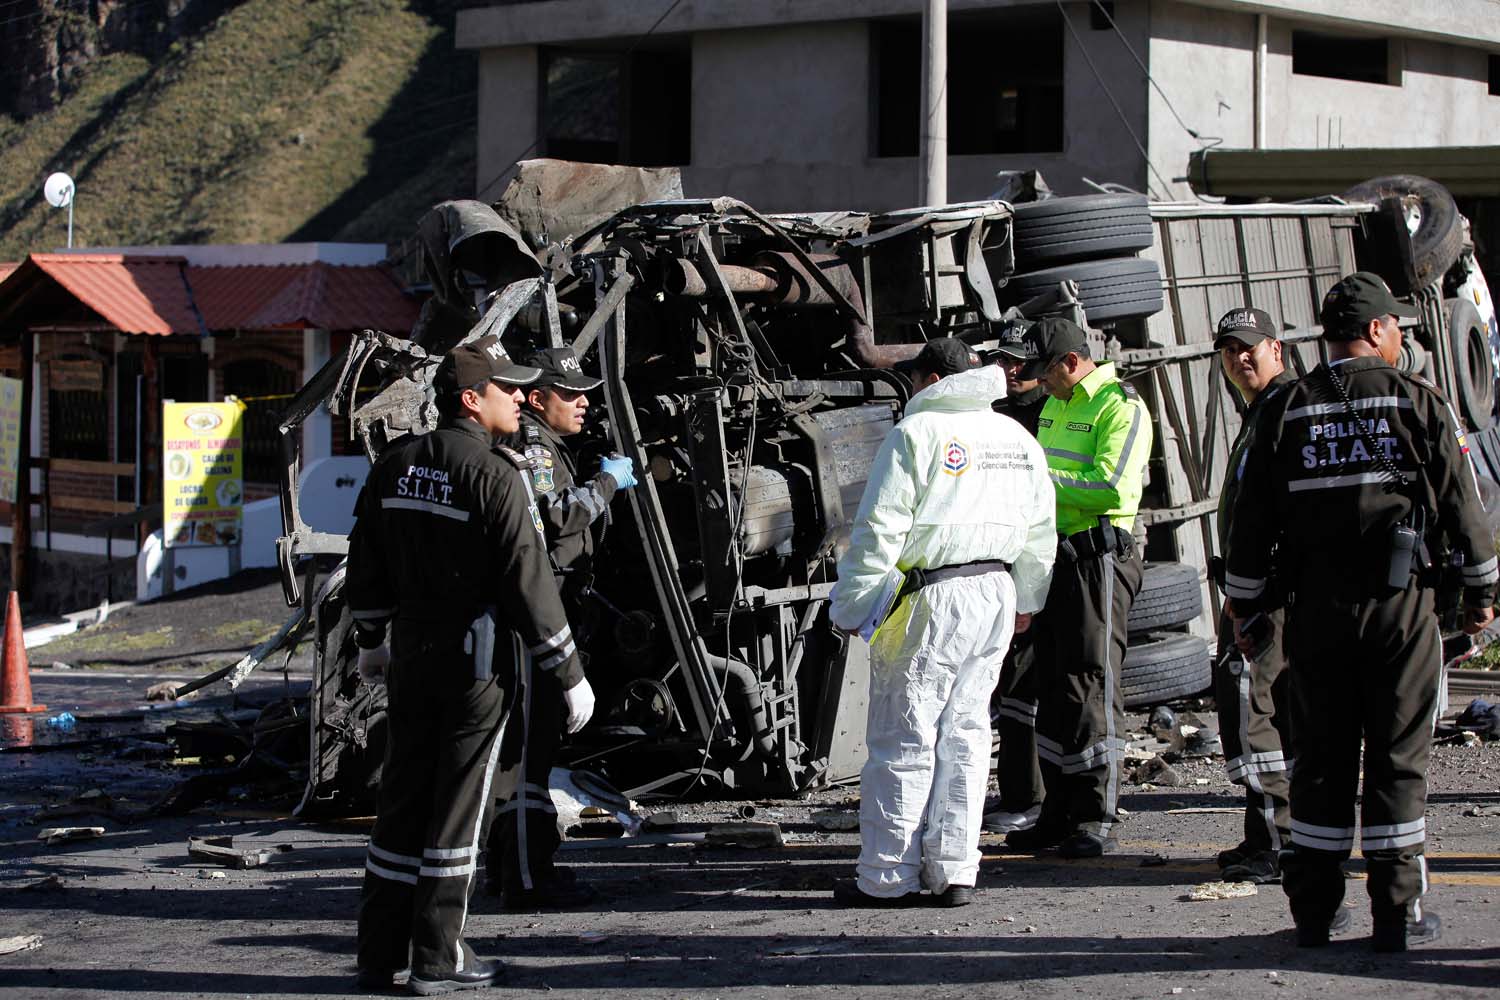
(59, 193)
(59, 190)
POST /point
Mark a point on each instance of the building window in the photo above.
(995, 105)
(1494, 75)
(1343, 57)
(615, 107)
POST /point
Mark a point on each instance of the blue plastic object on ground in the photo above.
(64, 721)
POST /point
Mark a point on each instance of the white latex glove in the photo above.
(580, 702)
(372, 664)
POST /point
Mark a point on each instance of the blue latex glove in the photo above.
(621, 469)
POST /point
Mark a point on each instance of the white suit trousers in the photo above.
(933, 666)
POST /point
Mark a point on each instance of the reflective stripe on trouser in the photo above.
(1363, 672)
(1080, 644)
(524, 836)
(440, 756)
(1019, 777)
(1255, 728)
(933, 667)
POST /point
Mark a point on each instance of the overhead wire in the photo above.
(1206, 141)
(1067, 23)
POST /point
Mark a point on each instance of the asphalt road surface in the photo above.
(130, 914)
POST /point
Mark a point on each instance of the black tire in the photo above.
(1108, 289)
(1473, 365)
(1171, 594)
(1090, 227)
(1165, 666)
(1439, 238)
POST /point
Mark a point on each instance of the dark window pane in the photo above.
(1494, 75)
(1364, 60)
(1009, 105)
(79, 426)
(613, 107)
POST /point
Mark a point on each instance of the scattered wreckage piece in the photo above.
(221, 851)
(17, 943)
(62, 834)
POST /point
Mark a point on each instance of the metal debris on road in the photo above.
(1209, 891)
(208, 873)
(744, 835)
(61, 834)
(836, 819)
(221, 851)
(19, 943)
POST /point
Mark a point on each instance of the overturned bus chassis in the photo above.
(746, 365)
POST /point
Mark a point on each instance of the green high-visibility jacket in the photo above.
(1096, 443)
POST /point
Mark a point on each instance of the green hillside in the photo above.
(281, 120)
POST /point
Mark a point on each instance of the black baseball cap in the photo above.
(1013, 344)
(1248, 326)
(469, 364)
(1354, 301)
(943, 356)
(559, 366)
(1050, 339)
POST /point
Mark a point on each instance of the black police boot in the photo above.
(382, 980)
(1085, 845)
(1235, 855)
(846, 892)
(955, 895)
(478, 976)
(1038, 838)
(1260, 867)
(1315, 935)
(1392, 936)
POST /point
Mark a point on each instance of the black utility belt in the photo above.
(1095, 541)
(916, 579)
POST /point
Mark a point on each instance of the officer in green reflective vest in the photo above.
(1097, 434)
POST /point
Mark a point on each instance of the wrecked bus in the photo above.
(747, 362)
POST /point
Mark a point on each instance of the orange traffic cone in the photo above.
(15, 671)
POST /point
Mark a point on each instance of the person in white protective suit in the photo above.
(957, 524)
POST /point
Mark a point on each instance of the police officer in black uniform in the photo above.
(1016, 770)
(524, 837)
(447, 549)
(1251, 693)
(1358, 472)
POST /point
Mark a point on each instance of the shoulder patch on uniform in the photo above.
(514, 457)
(1129, 390)
(1420, 379)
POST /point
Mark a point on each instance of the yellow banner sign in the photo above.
(202, 473)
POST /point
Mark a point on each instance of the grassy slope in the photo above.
(339, 119)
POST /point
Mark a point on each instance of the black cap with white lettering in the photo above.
(1053, 338)
(559, 366)
(1248, 326)
(469, 364)
(1013, 343)
(1356, 300)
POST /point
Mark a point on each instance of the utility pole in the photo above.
(932, 185)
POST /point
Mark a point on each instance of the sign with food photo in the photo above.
(202, 473)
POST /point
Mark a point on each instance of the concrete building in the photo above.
(812, 104)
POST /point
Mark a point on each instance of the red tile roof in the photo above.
(316, 295)
(163, 295)
(133, 294)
